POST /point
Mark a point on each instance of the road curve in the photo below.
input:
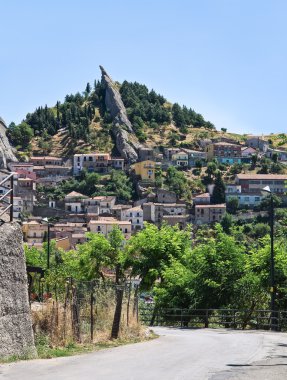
(175, 355)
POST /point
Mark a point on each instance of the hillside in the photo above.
(84, 123)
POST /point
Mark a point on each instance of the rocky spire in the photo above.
(125, 138)
(6, 152)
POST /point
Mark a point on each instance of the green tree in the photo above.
(205, 276)
(150, 250)
(95, 255)
(232, 205)
(177, 182)
(20, 134)
(274, 157)
(254, 160)
(218, 194)
(120, 185)
(226, 223)
(116, 240)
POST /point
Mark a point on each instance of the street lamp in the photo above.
(45, 220)
(272, 265)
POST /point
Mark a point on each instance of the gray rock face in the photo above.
(125, 138)
(6, 153)
(16, 335)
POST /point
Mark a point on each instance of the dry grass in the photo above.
(63, 324)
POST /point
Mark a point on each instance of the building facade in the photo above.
(145, 170)
(205, 214)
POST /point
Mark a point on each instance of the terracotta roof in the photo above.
(92, 154)
(120, 207)
(78, 235)
(21, 164)
(74, 194)
(45, 158)
(25, 179)
(204, 195)
(262, 176)
(109, 222)
(165, 204)
(175, 216)
(136, 208)
(225, 143)
(248, 147)
(221, 205)
(106, 198)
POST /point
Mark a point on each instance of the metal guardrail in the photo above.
(229, 318)
(10, 193)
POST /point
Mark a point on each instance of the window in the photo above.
(131, 214)
(78, 159)
(85, 158)
(257, 199)
(90, 158)
(126, 230)
(138, 221)
(99, 228)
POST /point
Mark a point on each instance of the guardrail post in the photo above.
(206, 322)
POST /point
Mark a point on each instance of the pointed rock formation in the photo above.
(6, 152)
(126, 140)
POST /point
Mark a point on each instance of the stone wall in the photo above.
(16, 335)
(6, 153)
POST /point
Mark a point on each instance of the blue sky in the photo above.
(227, 59)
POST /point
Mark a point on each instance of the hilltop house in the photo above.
(96, 162)
(180, 159)
(257, 142)
(248, 151)
(145, 170)
(254, 183)
(105, 226)
(154, 212)
(209, 213)
(225, 153)
(245, 199)
(135, 216)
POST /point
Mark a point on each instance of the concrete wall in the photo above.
(16, 335)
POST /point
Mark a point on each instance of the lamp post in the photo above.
(272, 263)
(45, 220)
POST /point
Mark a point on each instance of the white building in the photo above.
(106, 225)
(135, 216)
(18, 206)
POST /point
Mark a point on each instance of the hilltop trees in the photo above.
(20, 135)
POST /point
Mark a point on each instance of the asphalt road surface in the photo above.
(175, 355)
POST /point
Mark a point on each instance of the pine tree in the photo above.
(218, 195)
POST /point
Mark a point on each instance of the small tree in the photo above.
(253, 160)
(232, 205)
(218, 195)
(226, 222)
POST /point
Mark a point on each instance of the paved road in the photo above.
(175, 355)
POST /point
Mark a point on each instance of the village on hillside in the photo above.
(76, 213)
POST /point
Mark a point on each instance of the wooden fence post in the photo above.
(92, 300)
(118, 312)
